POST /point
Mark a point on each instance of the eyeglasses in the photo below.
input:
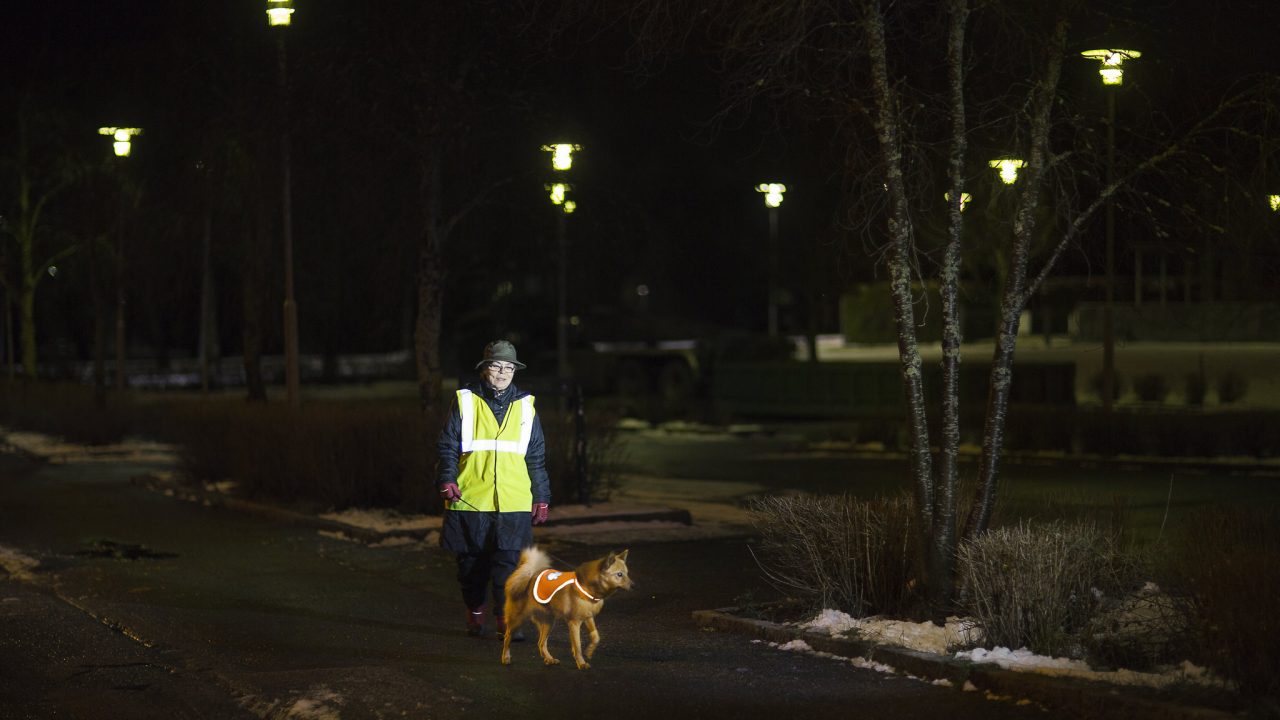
(502, 368)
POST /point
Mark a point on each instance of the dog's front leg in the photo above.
(575, 642)
(594, 635)
(544, 631)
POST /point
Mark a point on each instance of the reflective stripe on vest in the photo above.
(492, 474)
(467, 401)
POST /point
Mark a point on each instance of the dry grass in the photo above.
(1227, 566)
(1039, 585)
(859, 556)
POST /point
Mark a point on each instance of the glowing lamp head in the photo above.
(122, 139)
(1112, 70)
(561, 155)
(772, 193)
(279, 12)
(569, 206)
(558, 192)
(1275, 202)
(1008, 168)
(964, 199)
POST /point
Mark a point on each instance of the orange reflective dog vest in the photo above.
(550, 582)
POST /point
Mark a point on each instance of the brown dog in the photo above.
(536, 592)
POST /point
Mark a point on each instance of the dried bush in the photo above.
(840, 552)
(1194, 388)
(1151, 387)
(1033, 585)
(1232, 386)
(1117, 388)
(329, 455)
(1227, 566)
(70, 411)
(605, 454)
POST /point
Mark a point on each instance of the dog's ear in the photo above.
(623, 555)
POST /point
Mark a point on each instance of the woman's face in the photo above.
(499, 374)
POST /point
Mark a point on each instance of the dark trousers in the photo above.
(478, 571)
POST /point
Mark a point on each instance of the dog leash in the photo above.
(553, 557)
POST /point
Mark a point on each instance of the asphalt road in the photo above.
(143, 606)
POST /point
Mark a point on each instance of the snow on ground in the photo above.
(17, 565)
(927, 637)
(56, 451)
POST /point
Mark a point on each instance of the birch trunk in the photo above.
(1013, 298)
(430, 290)
(902, 246)
(943, 546)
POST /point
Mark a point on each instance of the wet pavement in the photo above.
(145, 606)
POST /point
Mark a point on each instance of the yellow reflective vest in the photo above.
(492, 474)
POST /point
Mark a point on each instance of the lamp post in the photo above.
(561, 162)
(1112, 73)
(964, 199)
(279, 16)
(1008, 168)
(122, 146)
(773, 200)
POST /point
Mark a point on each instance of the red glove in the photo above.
(449, 492)
(539, 513)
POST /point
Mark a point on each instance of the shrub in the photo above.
(70, 411)
(1227, 565)
(1194, 389)
(840, 552)
(334, 455)
(1231, 387)
(1033, 585)
(604, 454)
(1151, 387)
(1117, 389)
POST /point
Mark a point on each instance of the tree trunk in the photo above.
(27, 312)
(99, 328)
(943, 546)
(902, 243)
(431, 273)
(252, 277)
(1014, 296)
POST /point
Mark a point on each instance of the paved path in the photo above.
(143, 606)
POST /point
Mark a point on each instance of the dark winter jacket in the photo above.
(478, 531)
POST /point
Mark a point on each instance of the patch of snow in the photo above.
(18, 565)
(959, 632)
(923, 636)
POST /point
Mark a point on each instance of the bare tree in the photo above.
(908, 72)
(44, 170)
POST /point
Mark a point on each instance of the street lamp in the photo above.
(1275, 202)
(561, 162)
(1112, 72)
(1008, 168)
(279, 12)
(280, 15)
(122, 137)
(773, 200)
(964, 199)
(122, 146)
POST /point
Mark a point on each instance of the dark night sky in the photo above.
(665, 200)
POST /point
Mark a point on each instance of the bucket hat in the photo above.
(500, 351)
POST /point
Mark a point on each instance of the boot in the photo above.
(501, 622)
(475, 621)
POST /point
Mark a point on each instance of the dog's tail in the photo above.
(532, 561)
